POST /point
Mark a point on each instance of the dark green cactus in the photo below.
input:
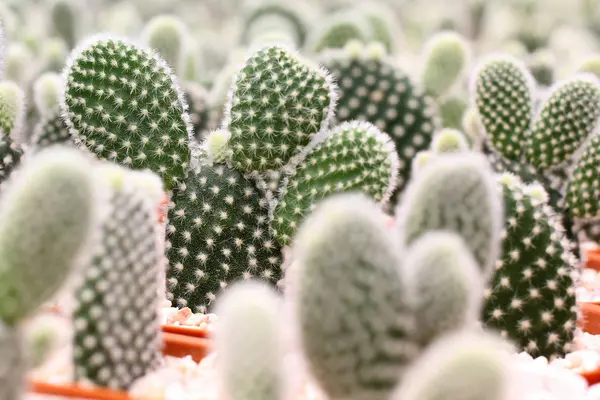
(373, 89)
(122, 102)
(51, 130)
(217, 233)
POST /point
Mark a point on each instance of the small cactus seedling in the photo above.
(355, 156)
(166, 35)
(449, 141)
(217, 233)
(458, 193)
(356, 323)
(49, 131)
(373, 89)
(117, 327)
(531, 297)
(446, 282)
(445, 57)
(249, 343)
(12, 109)
(503, 93)
(48, 213)
(460, 366)
(278, 102)
(122, 102)
(46, 93)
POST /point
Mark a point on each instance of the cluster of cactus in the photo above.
(392, 316)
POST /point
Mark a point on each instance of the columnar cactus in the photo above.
(122, 102)
(457, 193)
(460, 366)
(249, 343)
(278, 102)
(166, 35)
(217, 233)
(355, 298)
(531, 297)
(49, 211)
(373, 89)
(117, 327)
(446, 55)
(353, 156)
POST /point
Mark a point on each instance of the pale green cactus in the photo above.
(446, 55)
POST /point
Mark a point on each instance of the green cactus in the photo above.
(338, 29)
(583, 188)
(49, 131)
(449, 141)
(46, 93)
(446, 55)
(452, 109)
(422, 159)
(48, 214)
(373, 89)
(446, 284)
(531, 297)
(18, 63)
(458, 193)
(249, 343)
(10, 157)
(12, 364)
(460, 366)
(216, 146)
(12, 109)
(383, 23)
(65, 18)
(122, 102)
(503, 91)
(356, 323)
(566, 119)
(166, 35)
(115, 317)
(355, 156)
(217, 233)
(294, 100)
(542, 65)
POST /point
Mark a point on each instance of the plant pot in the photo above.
(592, 377)
(186, 331)
(174, 345)
(590, 317)
(592, 259)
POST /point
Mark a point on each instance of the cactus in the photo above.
(249, 343)
(117, 328)
(566, 119)
(531, 297)
(122, 102)
(10, 157)
(338, 29)
(542, 65)
(12, 109)
(18, 63)
(458, 193)
(356, 324)
(446, 55)
(293, 99)
(445, 282)
(383, 23)
(503, 93)
(166, 35)
(54, 53)
(12, 364)
(65, 20)
(217, 233)
(449, 141)
(217, 150)
(590, 65)
(373, 89)
(48, 213)
(49, 131)
(46, 93)
(353, 156)
(460, 366)
(583, 189)
(452, 110)
(422, 159)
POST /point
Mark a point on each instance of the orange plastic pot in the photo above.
(186, 330)
(174, 345)
(590, 317)
(593, 259)
(592, 377)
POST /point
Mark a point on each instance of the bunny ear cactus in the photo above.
(12, 109)
(531, 297)
(457, 193)
(446, 55)
(217, 233)
(353, 156)
(277, 103)
(117, 328)
(460, 366)
(46, 93)
(166, 35)
(338, 29)
(373, 89)
(123, 104)
(356, 325)
(249, 343)
(49, 211)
